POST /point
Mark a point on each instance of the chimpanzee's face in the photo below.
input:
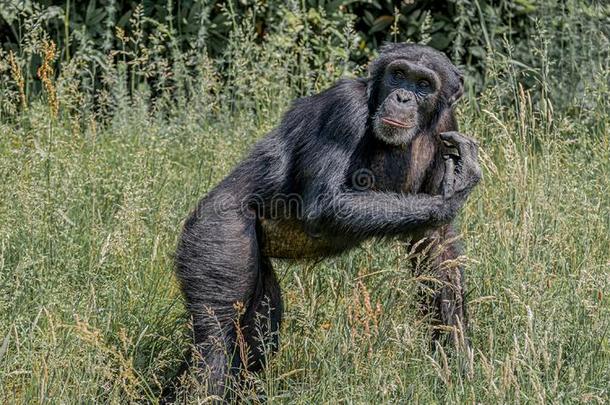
(407, 100)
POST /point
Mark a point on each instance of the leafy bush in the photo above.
(574, 32)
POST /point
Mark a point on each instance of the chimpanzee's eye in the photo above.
(423, 83)
(398, 75)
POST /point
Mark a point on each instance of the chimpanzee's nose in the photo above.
(403, 96)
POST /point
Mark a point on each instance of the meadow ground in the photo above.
(90, 211)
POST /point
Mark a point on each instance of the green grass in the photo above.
(89, 309)
(91, 208)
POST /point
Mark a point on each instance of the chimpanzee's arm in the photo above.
(382, 213)
(371, 213)
(330, 206)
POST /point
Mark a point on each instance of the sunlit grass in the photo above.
(90, 308)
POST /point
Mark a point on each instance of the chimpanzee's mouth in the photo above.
(395, 123)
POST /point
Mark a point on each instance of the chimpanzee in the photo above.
(369, 157)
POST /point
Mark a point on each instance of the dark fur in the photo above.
(298, 195)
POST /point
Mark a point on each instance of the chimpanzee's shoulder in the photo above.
(343, 106)
(343, 91)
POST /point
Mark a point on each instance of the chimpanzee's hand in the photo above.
(462, 170)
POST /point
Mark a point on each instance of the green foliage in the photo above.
(468, 30)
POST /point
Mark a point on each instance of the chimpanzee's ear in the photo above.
(457, 89)
(372, 89)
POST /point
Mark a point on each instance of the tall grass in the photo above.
(96, 180)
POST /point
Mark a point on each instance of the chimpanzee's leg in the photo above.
(446, 302)
(260, 324)
(225, 280)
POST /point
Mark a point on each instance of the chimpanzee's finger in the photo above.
(449, 178)
(466, 146)
(447, 148)
(454, 139)
(474, 148)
